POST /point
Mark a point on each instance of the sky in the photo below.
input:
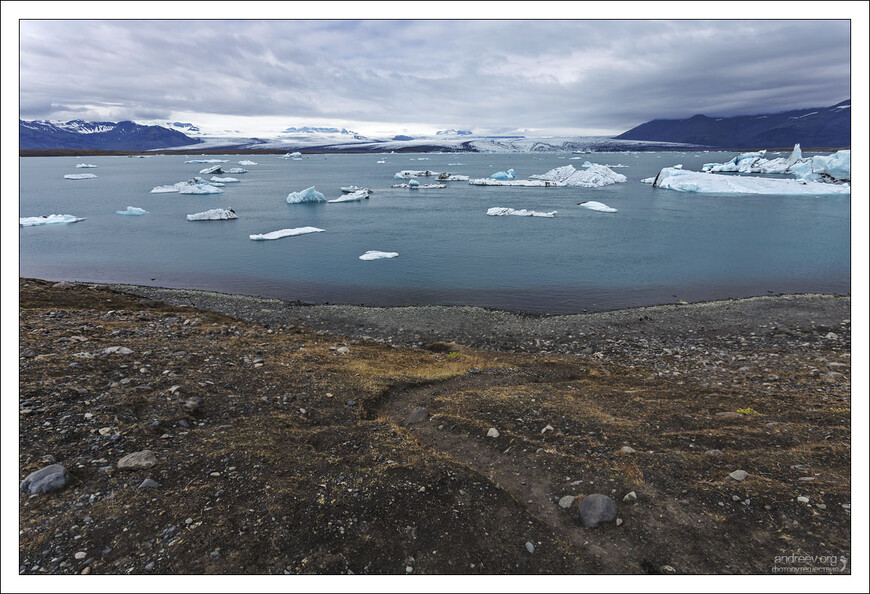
(382, 77)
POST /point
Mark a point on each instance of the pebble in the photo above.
(137, 460)
(803, 499)
(596, 508)
(547, 428)
(493, 432)
(86, 570)
(80, 555)
(630, 497)
(46, 480)
(119, 350)
(343, 350)
(821, 506)
(149, 484)
(627, 450)
(530, 547)
(739, 475)
(566, 501)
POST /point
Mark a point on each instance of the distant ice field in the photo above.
(660, 246)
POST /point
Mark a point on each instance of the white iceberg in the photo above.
(132, 211)
(163, 189)
(683, 180)
(224, 180)
(236, 170)
(599, 206)
(503, 175)
(79, 176)
(308, 195)
(408, 173)
(247, 163)
(351, 189)
(215, 214)
(743, 163)
(442, 177)
(382, 161)
(86, 166)
(352, 197)
(648, 180)
(198, 188)
(54, 219)
(415, 185)
(297, 156)
(837, 166)
(207, 161)
(286, 233)
(212, 169)
(531, 183)
(376, 255)
(594, 176)
(500, 211)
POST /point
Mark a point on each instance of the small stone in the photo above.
(735, 497)
(739, 475)
(343, 350)
(86, 570)
(137, 460)
(105, 431)
(149, 566)
(803, 499)
(80, 555)
(807, 479)
(630, 497)
(493, 432)
(408, 568)
(46, 480)
(596, 508)
(530, 547)
(214, 474)
(119, 350)
(149, 484)
(668, 569)
(713, 452)
(627, 450)
(547, 428)
(188, 521)
(566, 501)
(821, 506)
(831, 336)
(417, 415)
(619, 521)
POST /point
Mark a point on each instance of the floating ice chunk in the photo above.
(594, 176)
(132, 211)
(207, 161)
(224, 180)
(215, 214)
(382, 161)
(503, 175)
(164, 189)
(455, 164)
(648, 180)
(710, 183)
(79, 176)
(199, 188)
(500, 211)
(247, 163)
(212, 169)
(415, 185)
(535, 183)
(599, 206)
(86, 166)
(286, 233)
(837, 166)
(795, 156)
(297, 156)
(236, 170)
(351, 189)
(376, 255)
(54, 219)
(442, 177)
(743, 163)
(305, 196)
(352, 197)
(408, 173)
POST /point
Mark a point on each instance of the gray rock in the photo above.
(149, 484)
(530, 547)
(137, 460)
(343, 350)
(46, 480)
(193, 404)
(739, 475)
(627, 450)
(566, 501)
(630, 497)
(596, 508)
(119, 350)
(493, 432)
(417, 415)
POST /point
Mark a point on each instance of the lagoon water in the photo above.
(659, 247)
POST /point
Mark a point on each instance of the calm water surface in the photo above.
(661, 245)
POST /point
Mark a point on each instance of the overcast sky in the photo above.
(380, 77)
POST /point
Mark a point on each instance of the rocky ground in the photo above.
(277, 438)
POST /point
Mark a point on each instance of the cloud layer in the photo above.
(592, 76)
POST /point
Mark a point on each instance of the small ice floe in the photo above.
(236, 170)
(442, 177)
(224, 180)
(415, 185)
(590, 164)
(132, 211)
(79, 176)
(594, 176)
(376, 255)
(54, 219)
(215, 214)
(351, 189)
(286, 233)
(456, 164)
(500, 211)
(530, 183)
(308, 195)
(382, 161)
(204, 161)
(503, 175)
(297, 156)
(198, 185)
(599, 206)
(212, 169)
(711, 183)
(246, 162)
(86, 166)
(648, 180)
(407, 174)
(357, 196)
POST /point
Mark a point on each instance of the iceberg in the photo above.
(247, 163)
(54, 219)
(351, 189)
(204, 161)
(236, 170)
(376, 255)
(408, 173)
(599, 206)
(308, 195)
(594, 176)
(297, 156)
(352, 197)
(382, 161)
(500, 211)
(531, 183)
(415, 185)
(86, 166)
(224, 180)
(198, 188)
(79, 176)
(132, 211)
(451, 177)
(820, 168)
(683, 180)
(837, 166)
(503, 175)
(163, 189)
(215, 214)
(743, 163)
(212, 169)
(286, 233)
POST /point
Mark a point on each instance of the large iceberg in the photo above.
(212, 169)
(594, 176)
(835, 167)
(376, 255)
(352, 197)
(132, 211)
(308, 195)
(297, 156)
(215, 214)
(54, 219)
(286, 233)
(503, 175)
(86, 166)
(683, 180)
(532, 183)
(500, 211)
(599, 206)
(79, 176)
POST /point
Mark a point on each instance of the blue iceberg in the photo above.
(308, 195)
(503, 175)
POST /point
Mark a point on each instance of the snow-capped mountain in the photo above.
(78, 134)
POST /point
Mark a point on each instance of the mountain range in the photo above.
(79, 134)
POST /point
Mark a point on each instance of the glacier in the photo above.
(599, 206)
(308, 195)
(54, 219)
(132, 211)
(376, 255)
(683, 180)
(499, 211)
(80, 176)
(351, 197)
(286, 233)
(86, 166)
(215, 214)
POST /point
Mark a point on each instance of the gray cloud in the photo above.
(605, 75)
